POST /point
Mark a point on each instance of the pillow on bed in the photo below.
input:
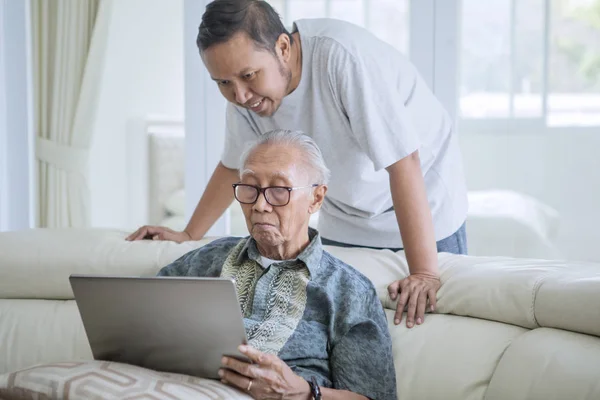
(108, 380)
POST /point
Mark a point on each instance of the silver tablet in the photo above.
(173, 324)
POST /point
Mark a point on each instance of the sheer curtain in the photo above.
(69, 40)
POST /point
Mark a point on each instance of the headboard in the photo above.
(156, 166)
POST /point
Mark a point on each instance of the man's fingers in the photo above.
(137, 234)
(432, 299)
(421, 305)
(144, 232)
(403, 298)
(168, 234)
(241, 367)
(393, 289)
(158, 233)
(412, 308)
(256, 356)
(232, 378)
(398, 314)
(151, 231)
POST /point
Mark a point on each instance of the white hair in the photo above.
(297, 139)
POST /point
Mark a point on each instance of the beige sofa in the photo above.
(504, 328)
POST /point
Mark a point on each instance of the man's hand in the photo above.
(267, 378)
(159, 233)
(414, 290)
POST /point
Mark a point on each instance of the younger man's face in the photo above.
(249, 76)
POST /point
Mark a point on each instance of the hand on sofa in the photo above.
(414, 292)
(159, 233)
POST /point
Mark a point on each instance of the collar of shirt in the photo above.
(310, 256)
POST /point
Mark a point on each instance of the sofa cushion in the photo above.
(548, 364)
(54, 326)
(523, 292)
(108, 380)
(570, 301)
(448, 357)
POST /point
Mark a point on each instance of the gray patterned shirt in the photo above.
(316, 313)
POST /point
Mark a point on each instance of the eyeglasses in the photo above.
(277, 196)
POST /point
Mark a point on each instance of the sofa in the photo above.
(503, 329)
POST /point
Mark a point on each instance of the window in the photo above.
(535, 61)
(388, 19)
(574, 78)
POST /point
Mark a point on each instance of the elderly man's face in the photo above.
(250, 77)
(276, 165)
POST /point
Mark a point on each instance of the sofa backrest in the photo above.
(36, 264)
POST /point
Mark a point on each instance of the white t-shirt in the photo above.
(366, 107)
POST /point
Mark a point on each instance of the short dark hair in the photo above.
(225, 18)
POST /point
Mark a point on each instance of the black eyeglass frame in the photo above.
(261, 190)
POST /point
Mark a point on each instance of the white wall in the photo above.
(559, 167)
(143, 75)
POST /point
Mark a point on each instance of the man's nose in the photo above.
(261, 204)
(242, 94)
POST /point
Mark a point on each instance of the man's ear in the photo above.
(317, 199)
(283, 47)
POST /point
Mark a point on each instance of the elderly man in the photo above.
(314, 324)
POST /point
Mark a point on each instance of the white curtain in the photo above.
(69, 41)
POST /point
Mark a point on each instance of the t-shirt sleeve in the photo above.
(361, 360)
(368, 90)
(239, 132)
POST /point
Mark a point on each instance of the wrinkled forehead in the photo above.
(275, 163)
(268, 175)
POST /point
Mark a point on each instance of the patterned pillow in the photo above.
(108, 380)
